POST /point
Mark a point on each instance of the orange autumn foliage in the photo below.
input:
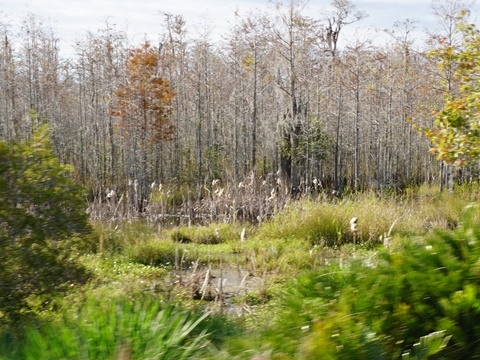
(144, 101)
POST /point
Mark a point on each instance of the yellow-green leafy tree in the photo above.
(455, 135)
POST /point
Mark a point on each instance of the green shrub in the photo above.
(41, 208)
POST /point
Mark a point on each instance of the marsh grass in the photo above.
(328, 224)
(211, 234)
(317, 221)
(416, 212)
(114, 238)
(157, 252)
(306, 235)
(165, 252)
(302, 288)
(379, 308)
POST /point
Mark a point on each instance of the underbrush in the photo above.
(301, 285)
(121, 329)
(420, 301)
(306, 235)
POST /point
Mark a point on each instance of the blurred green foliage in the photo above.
(40, 208)
(397, 305)
(118, 329)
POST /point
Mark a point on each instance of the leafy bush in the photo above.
(40, 207)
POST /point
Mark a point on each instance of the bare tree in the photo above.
(345, 12)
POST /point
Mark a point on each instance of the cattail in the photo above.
(272, 195)
(354, 225)
(386, 242)
(243, 235)
(354, 229)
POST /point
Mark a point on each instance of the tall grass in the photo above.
(144, 329)
(328, 224)
(416, 212)
(316, 220)
(114, 238)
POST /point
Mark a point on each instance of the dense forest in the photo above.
(284, 102)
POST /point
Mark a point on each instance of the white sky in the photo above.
(71, 19)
